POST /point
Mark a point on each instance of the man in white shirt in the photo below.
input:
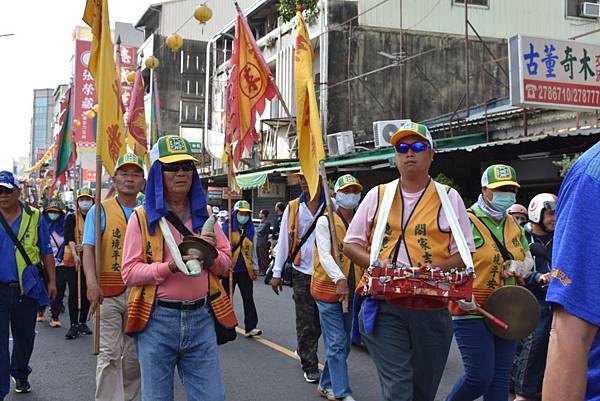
(332, 287)
(296, 224)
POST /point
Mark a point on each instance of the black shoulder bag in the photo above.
(223, 333)
(288, 266)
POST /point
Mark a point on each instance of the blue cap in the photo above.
(7, 180)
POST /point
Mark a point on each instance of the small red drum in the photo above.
(389, 284)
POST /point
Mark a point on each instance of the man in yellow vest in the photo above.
(408, 340)
(117, 368)
(21, 287)
(296, 225)
(332, 287)
(74, 224)
(169, 313)
(502, 253)
(245, 263)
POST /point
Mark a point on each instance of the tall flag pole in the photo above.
(250, 85)
(65, 152)
(155, 129)
(136, 119)
(110, 133)
(308, 123)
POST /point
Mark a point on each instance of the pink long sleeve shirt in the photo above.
(170, 286)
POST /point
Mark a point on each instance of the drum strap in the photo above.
(384, 211)
(457, 233)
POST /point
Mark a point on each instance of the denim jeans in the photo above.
(186, 340)
(20, 313)
(410, 348)
(487, 360)
(335, 326)
(531, 360)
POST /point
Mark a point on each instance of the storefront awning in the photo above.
(258, 178)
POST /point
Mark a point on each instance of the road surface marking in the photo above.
(273, 345)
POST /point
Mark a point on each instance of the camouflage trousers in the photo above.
(308, 328)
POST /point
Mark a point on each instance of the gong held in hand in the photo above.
(516, 306)
(194, 246)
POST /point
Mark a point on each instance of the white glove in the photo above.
(467, 306)
(521, 268)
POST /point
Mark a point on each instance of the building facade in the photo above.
(41, 123)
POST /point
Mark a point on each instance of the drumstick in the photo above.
(493, 318)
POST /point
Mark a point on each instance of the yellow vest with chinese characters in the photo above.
(141, 298)
(424, 240)
(246, 249)
(322, 287)
(488, 261)
(111, 247)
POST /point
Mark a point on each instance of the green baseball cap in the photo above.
(242, 206)
(85, 192)
(499, 175)
(409, 129)
(172, 149)
(131, 159)
(346, 181)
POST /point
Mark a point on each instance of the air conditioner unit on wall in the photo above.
(340, 143)
(589, 10)
(383, 131)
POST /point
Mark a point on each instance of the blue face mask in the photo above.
(53, 216)
(242, 219)
(501, 201)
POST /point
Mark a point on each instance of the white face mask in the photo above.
(347, 201)
(85, 205)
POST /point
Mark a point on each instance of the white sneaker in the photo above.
(54, 323)
(253, 332)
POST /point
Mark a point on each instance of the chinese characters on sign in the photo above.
(554, 73)
(84, 93)
(85, 89)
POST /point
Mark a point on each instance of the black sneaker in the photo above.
(73, 332)
(22, 386)
(312, 376)
(84, 329)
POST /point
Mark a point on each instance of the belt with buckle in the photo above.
(182, 305)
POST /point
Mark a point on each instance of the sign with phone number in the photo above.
(557, 74)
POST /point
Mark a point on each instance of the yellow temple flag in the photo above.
(110, 132)
(308, 122)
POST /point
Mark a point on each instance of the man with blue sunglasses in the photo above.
(408, 339)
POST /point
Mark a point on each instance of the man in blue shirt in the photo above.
(16, 307)
(573, 362)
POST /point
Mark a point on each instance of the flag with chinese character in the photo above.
(136, 119)
(110, 134)
(308, 123)
(155, 131)
(250, 84)
(65, 152)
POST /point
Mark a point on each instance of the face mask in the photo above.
(347, 201)
(501, 201)
(242, 219)
(85, 205)
(53, 216)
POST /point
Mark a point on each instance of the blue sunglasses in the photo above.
(416, 147)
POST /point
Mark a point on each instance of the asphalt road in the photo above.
(251, 370)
